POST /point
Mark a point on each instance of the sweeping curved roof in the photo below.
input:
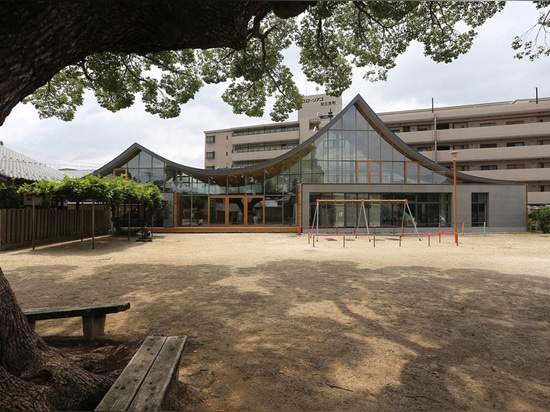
(294, 155)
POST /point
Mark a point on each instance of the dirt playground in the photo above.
(277, 324)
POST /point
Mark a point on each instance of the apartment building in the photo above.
(249, 145)
(502, 140)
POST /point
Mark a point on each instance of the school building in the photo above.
(501, 140)
(344, 156)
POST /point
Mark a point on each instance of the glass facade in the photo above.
(428, 210)
(351, 151)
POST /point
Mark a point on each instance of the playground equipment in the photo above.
(406, 214)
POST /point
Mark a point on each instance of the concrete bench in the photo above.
(93, 316)
(143, 384)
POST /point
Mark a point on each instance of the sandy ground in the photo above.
(277, 324)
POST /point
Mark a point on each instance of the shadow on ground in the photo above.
(303, 335)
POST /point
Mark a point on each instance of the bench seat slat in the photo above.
(35, 314)
(123, 391)
(153, 389)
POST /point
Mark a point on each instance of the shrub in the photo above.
(539, 219)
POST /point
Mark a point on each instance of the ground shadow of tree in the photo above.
(300, 334)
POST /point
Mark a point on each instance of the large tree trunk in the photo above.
(39, 38)
(34, 376)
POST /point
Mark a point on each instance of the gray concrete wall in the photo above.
(507, 204)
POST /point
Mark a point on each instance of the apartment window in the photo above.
(443, 126)
(406, 128)
(210, 155)
(515, 166)
(443, 147)
(487, 145)
(514, 144)
(423, 149)
(210, 139)
(485, 124)
(465, 168)
(209, 167)
(488, 167)
(422, 129)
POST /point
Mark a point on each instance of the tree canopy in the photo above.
(112, 191)
(165, 51)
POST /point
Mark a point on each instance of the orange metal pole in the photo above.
(455, 211)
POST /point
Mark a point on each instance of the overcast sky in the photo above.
(489, 73)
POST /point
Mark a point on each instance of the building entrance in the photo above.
(236, 210)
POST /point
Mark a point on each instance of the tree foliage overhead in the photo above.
(535, 42)
(164, 51)
(333, 37)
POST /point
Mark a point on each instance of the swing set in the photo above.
(314, 232)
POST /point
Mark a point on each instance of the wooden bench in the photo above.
(142, 385)
(93, 316)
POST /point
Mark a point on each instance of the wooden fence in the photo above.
(27, 227)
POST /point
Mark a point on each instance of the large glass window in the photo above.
(348, 121)
(413, 172)
(216, 211)
(374, 146)
(427, 210)
(386, 150)
(362, 172)
(375, 172)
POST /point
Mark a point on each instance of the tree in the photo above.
(39, 39)
(24, 356)
(539, 219)
(332, 37)
(534, 42)
(9, 197)
(111, 191)
(120, 57)
(34, 376)
(164, 50)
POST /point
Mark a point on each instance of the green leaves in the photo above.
(112, 191)
(539, 219)
(535, 42)
(165, 80)
(333, 37)
(436, 25)
(322, 43)
(61, 96)
(257, 71)
(178, 82)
